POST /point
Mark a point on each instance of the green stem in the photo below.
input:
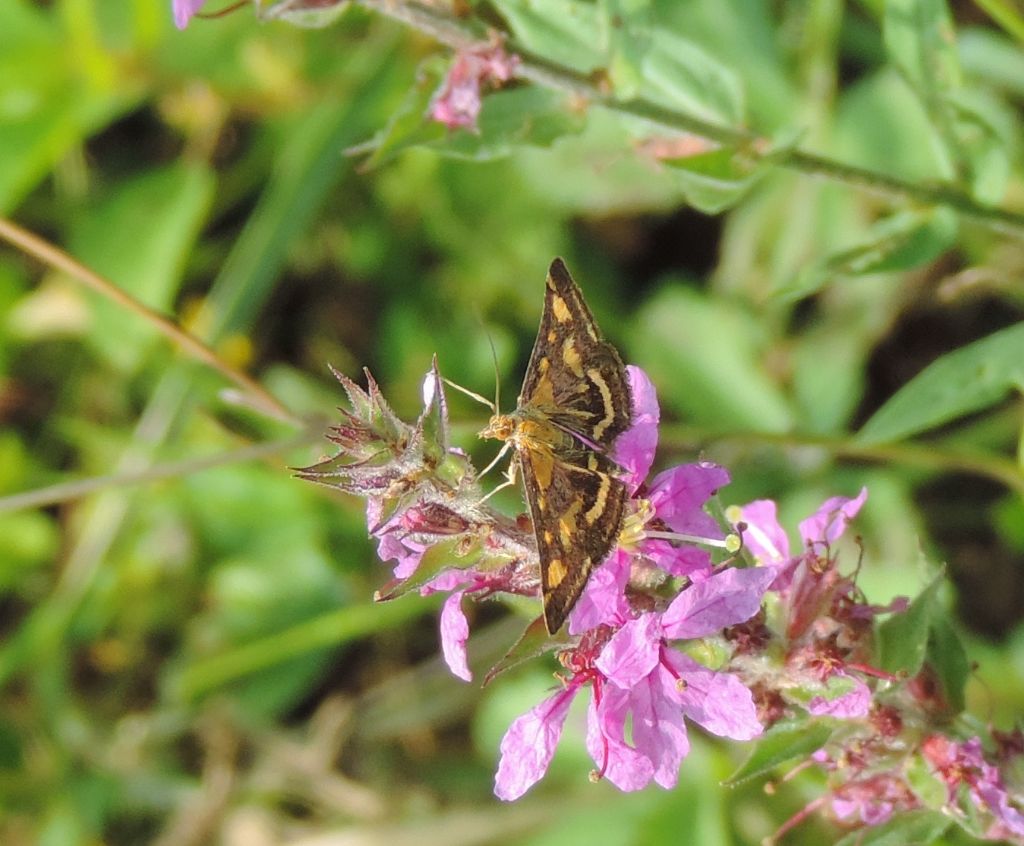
(67, 491)
(925, 456)
(460, 34)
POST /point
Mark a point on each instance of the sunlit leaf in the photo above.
(970, 379)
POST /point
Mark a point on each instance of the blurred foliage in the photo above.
(195, 657)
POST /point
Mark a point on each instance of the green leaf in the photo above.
(984, 133)
(903, 638)
(706, 357)
(781, 743)
(626, 25)
(828, 375)
(714, 181)
(173, 203)
(964, 381)
(455, 553)
(305, 171)
(680, 74)
(900, 242)
(332, 629)
(309, 14)
(921, 41)
(946, 654)
(567, 32)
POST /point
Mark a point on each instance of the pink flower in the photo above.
(963, 765)
(184, 10)
(637, 679)
(767, 540)
(872, 800)
(457, 103)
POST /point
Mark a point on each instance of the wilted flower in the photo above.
(457, 103)
(967, 773)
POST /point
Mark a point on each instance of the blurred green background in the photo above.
(195, 657)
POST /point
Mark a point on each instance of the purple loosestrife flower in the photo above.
(624, 654)
(637, 678)
(827, 627)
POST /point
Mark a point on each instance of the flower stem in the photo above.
(463, 33)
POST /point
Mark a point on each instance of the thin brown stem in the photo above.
(59, 260)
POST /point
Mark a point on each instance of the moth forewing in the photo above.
(575, 401)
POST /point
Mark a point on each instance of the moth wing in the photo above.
(574, 376)
(577, 514)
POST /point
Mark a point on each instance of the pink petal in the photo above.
(634, 449)
(851, 705)
(829, 522)
(678, 496)
(678, 560)
(632, 652)
(604, 598)
(764, 537)
(184, 10)
(726, 598)
(659, 731)
(622, 765)
(446, 581)
(719, 702)
(407, 552)
(457, 103)
(529, 744)
(454, 634)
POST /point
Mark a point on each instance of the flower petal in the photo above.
(726, 598)
(634, 448)
(529, 744)
(659, 731)
(678, 496)
(764, 536)
(604, 598)
(622, 765)
(632, 652)
(719, 702)
(679, 561)
(851, 705)
(454, 634)
(829, 522)
(184, 10)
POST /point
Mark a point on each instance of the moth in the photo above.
(575, 401)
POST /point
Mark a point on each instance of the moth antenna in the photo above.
(469, 393)
(497, 373)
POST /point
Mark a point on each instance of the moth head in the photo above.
(501, 427)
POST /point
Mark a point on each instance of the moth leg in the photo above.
(501, 454)
(510, 476)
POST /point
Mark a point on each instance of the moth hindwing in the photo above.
(574, 403)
